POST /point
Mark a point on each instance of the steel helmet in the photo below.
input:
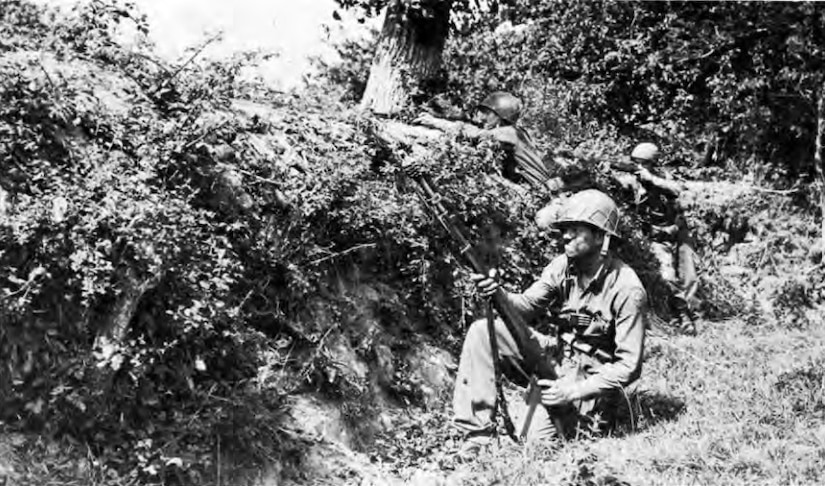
(646, 152)
(505, 105)
(592, 207)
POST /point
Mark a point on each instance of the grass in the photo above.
(736, 405)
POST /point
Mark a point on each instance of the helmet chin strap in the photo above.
(605, 245)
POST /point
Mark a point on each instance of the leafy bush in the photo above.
(182, 250)
(121, 321)
(727, 85)
(164, 228)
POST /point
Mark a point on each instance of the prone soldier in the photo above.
(496, 118)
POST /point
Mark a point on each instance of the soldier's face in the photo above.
(581, 241)
(486, 119)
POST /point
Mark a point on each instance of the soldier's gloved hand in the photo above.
(486, 285)
(554, 393)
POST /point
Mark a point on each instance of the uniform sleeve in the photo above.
(453, 127)
(506, 135)
(538, 296)
(630, 335)
(667, 186)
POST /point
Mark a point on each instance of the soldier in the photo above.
(656, 198)
(603, 304)
(496, 119)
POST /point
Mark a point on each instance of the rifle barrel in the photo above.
(511, 317)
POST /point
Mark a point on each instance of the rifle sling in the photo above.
(500, 401)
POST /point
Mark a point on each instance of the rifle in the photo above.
(624, 166)
(512, 319)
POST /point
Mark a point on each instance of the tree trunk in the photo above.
(819, 160)
(408, 52)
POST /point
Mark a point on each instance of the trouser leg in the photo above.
(592, 416)
(666, 254)
(543, 423)
(688, 275)
(474, 396)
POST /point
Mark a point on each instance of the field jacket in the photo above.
(616, 297)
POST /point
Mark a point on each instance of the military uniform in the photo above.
(665, 224)
(522, 163)
(611, 314)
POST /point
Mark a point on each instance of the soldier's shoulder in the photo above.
(626, 277)
(505, 134)
(557, 266)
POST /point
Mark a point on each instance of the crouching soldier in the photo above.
(657, 200)
(600, 348)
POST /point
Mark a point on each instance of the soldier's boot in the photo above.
(683, 319)
(675, 322)
(688, 325)
(473, 445)
(694, 322)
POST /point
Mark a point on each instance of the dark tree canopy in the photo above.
(746, 74)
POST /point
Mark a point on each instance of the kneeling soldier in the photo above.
(603, 305)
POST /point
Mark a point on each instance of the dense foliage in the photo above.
(712, 82)
(181, 252)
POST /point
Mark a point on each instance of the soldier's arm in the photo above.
(677, 228)
(538, 296)
(667, 186)
(630, 334)
(449, 126)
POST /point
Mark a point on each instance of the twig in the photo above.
(205, 134)
(813, 268)
(152, 60)
(189, 61)
(219, 458)
(781, 192)
(284, 364)
(345, 252)
(305, 369)
(662, 339)
(250, 174)
(48, 78)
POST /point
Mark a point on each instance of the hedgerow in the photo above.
(182, 250)
(178, 247)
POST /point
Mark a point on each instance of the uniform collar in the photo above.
(597, 282)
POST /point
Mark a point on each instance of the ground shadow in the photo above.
(644, 409)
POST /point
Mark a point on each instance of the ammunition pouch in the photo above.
(584, 333)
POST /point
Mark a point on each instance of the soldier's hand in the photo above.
(425, 119)
(486, 285)
(644, 175)
(554, 184)
(657, 231)
(553, 393)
